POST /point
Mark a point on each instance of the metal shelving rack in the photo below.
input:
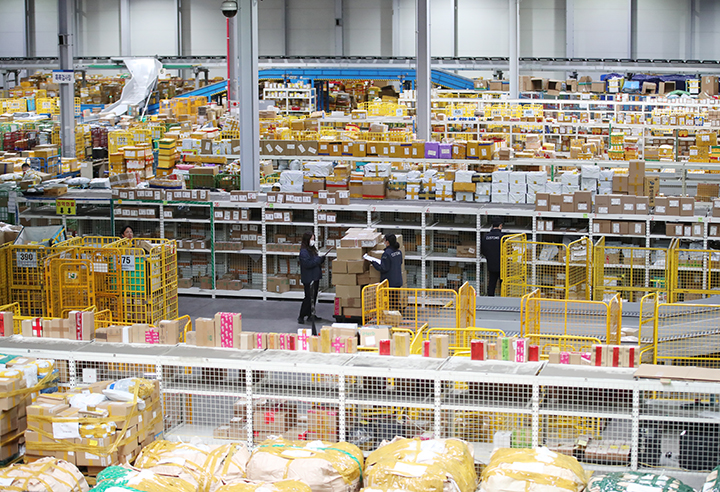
(284, 96)
(455, 397)
(420, 222)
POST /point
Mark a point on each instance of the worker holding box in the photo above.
(390, 268)
(310, 274)
(491, 251)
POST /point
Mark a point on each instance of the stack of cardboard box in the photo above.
(122, 429)
(350, 272)
(167, 157)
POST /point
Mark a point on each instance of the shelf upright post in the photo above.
(263, 230)
(422, 68)
(342, 410)
(249, 405)
(478, 263)
(438, 408)
(535, 425)
(66, 15)
(212, 246)
(423, 258)
(635, 429)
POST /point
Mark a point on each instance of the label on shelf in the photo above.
(63, 77)
(128, 263)
(65, 207)
(26, 259)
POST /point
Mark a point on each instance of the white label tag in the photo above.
(128, 263)
(26, 259)
(66, 430)
(6, 481)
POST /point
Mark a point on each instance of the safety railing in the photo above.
(543, 318)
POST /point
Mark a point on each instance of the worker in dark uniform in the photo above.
(491, 251)
(390, 268)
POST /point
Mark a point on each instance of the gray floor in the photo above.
(258, 315)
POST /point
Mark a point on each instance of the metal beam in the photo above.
(513, 23)
(630, 29)
(339, 45)
(286, 29)
(247, 30)
(124, 27)
(66, 15)
(422, 68)
(29, 28)
(456, 44)
(692, 28)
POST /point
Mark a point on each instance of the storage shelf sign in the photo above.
(127, 263)
(63, 77)
(65, 207)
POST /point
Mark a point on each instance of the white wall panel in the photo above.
(662, 27)
(311, 27)
(46, 28)
(707, 39)
(601, 28)
(271, 27)
(100, 31)
(367, 27)
(483, 28)
(542, 28)
(208, 28)
(153, 27)
(442, 27)
(12, 28)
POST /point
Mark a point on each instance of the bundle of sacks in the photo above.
(323, 466)
(44, 475)
(629, 481)
(536, 470)
(437, 465)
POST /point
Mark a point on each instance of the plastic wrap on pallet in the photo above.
(412, 464)
(540, 470)
(632, 481)
(318, 169)
(325, 467)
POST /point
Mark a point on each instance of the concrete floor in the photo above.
(258, 315)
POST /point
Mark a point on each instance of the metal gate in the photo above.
(69, 285)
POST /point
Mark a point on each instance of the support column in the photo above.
(692, 28)
(286, 29)
(339, 45)
(395, 27)
(514, 21)
(66, 15)
(232, 57)
(569, 28)
(124, 27)
(247, 33)
(30, 28)
(422, 68)
(630, 30)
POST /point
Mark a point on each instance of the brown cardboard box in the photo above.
(651, 188)
(637, 228)
(616, 206)
(687, 206)
(346, 291)
(602, 204)
(339, 267)
(661, 205)
(583, 201)
(205, 332)
(620, 227)
(628, 205)
(170, 332)
(542, 202)
(555, 203)
(568, 203)
(349, 253)
(673, 207)
(602, 227)
(620, 183)
(709, 85)
(278, 284)
(673, 229)
(636, 172)
(642, 205)
(275, 418)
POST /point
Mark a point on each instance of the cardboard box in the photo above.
(205, 332)
(542, 202)
(370, 336)
(661, 205)
(582, 201)
(278, 284)
(687, 206)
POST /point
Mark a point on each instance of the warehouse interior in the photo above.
(369, 245)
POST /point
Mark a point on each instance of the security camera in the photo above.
(229, 8)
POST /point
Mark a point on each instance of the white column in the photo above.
(692, 27)
(29, 28)
(396, 27)
(569, 28)
(630, 47)
(422, 68)
(513, 21)
(66, 15)
(232, 59)
(247, 32)
(124, 27)
(339, 46)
